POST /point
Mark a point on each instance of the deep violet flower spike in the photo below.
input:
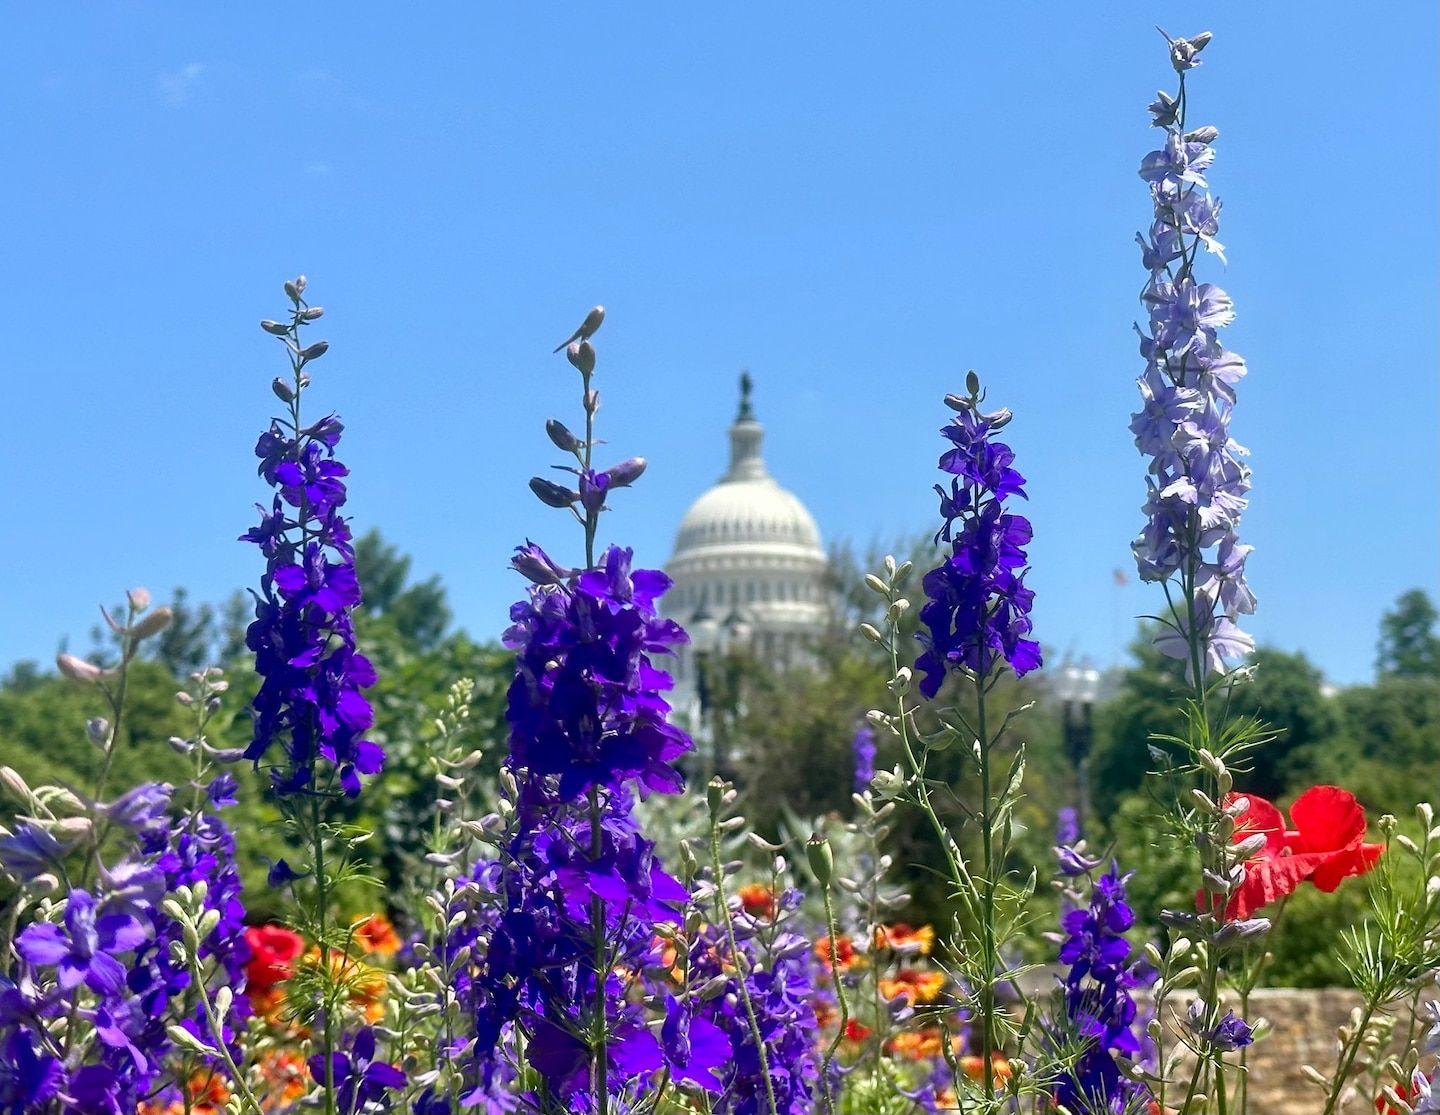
(978, 608)
(1197, 480)
(1098, 1006)
(311, 700)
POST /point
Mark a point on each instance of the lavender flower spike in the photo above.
(1197, 479)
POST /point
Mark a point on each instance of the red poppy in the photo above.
(856, 1031)
(273, 952)
(1326, 846)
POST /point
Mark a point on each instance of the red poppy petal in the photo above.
(1328, 819)
(1340, 866)
(1269, 880)
(1262, 816)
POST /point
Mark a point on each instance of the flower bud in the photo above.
(274, 328)
(292, 290)
(153, 624)
(957, 403)
(77, 669)
(626, 472)
(186, 1040)
(715, 795)
(1251, 846)
(315, 351)
(97, 730)
(582, 355)
(552, 494)
(283, 391)
(1208, 134)
(901, 682)
(312, 313)
(871, 632)
(563, 439)
(180, 746)
(10, 779)
(972, 383)
(821, 858)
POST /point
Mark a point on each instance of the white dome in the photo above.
(748, 558)
(743, 512)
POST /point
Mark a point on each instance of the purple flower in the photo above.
(1098, 1005)
(143, 810)
(1230, 1032)
(978, 608)
(303, 637)
(863, 750)
(359, 1079)
(1197, 480)
(28, 1076)
(31, 851)
(586, 706)
(84, 950)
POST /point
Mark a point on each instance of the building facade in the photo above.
(748, 566)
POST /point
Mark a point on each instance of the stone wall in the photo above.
(1304, 1024)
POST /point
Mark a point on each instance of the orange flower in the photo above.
(974, 1067)
(376, 934)
(905, 938)
(208, 1096)
(922, 1045)
(758, 900)
(914, 985)
(844, 951)
(364, 983)
(825, 1014)
(285, 1079)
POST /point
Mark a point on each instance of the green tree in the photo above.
(418, 612)
(1285, 694)
(1409, 646)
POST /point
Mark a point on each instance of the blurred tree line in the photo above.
(403, 626)
(792, 731)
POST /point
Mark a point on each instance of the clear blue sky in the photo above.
(857, 202)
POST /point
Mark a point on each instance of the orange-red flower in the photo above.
(208, 1096)
(855, 1030)
(758, 900)
(905, 938)
(376, 934)
(286, 1079)
(922, 1045)
(974, 1067)
(1325, 847)
(845, 956)
(914, 985)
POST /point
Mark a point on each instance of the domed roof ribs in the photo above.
(745, 438)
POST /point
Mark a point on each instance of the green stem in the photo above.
(321, 904)
(987, 919)
(217, 1033)
(832, 928)
(740, 973)
(1352, 1047)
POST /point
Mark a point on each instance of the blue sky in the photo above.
(856, 206)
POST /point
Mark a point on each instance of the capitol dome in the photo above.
(748, 566)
